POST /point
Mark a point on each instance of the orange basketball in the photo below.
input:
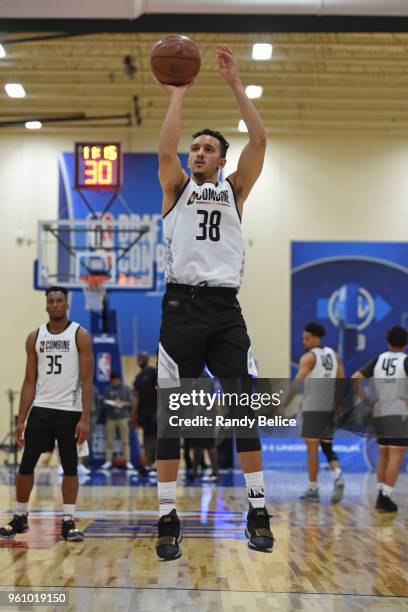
(175, 60)
(119, 461)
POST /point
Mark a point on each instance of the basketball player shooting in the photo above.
(202, 323)
(57, 392)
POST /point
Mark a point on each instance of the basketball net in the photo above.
(94, 291)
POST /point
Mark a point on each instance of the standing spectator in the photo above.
(144, 406)
(117, 402)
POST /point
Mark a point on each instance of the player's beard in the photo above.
(199, 175)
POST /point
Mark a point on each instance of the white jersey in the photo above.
(202, 236)
(320, 383)
(391, 384)
(58, 384)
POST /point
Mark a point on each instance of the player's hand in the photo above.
(178, 90)
(82, 431)
(19, 434)
(227, 66)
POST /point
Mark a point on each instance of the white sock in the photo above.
(167, 497)
(387, 490)
(312, 485)
(255, 488)
(21, 508)
(380, 486)
(69, 511)
(336, 472)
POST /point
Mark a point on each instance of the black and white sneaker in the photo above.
(385, 503)
(18, 524)
(70, 533)
(258, 530)
(168, 537)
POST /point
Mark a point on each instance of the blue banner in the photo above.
(357, 290)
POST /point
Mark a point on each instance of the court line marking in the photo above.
(150, 513)
(147, 588)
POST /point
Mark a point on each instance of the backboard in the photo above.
(70, 251)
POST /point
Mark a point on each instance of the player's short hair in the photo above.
(397, 336)
(115, 375)
(224, 144)
(55, 288)
(316, 329)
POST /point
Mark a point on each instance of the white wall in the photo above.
(310, 189)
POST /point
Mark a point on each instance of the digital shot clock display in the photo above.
(98, 165)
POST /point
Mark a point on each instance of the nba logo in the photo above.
(103, 367)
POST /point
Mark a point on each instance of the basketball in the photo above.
(119, 461)
(175, 60)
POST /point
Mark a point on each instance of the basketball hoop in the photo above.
(94, 291)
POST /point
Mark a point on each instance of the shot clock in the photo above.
(98, 165)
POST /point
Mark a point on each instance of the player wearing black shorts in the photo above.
(57, 394)
(202, 322)
(319, 368)
(389, 373)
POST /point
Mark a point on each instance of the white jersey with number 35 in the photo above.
(58, 383)
(202, 236)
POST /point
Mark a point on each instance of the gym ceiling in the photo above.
(336, 66)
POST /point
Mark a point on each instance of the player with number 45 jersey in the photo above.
(389, 377)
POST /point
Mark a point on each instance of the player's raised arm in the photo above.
(86, 371)
(171, 174)
(28, 387)
(252, 157)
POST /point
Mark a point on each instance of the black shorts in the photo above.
(202, 443)
(44, 426)
(391, 430)
(317, 425)
(203, 326)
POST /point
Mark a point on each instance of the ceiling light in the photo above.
(254, 91)
(242, 126)
(15, 90)
(261, 51)
(2, 51)
(33, 125)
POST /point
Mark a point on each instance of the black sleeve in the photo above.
(368, 369)
(406, 365)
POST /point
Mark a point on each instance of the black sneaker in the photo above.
(70, 533)
(168, 537)
(258, 530)
(18, 524)
(385, 503)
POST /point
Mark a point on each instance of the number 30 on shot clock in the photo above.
(97, 165)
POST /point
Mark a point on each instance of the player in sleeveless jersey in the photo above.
(57, 394)
(202, 323)
(389, 373)
(319, 368)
